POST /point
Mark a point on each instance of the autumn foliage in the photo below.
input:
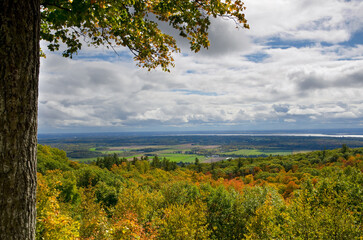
(291, 197)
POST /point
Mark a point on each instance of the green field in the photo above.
(107, 151)
(176, 153)
(174, 157)
(277, 152)
(113, 151)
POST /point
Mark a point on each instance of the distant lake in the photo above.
(272, 134)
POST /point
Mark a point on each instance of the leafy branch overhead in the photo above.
(130, 23)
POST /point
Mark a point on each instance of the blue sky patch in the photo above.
(257, 57)
(190, 72)
(355, 39)
(284, 44)
(108, 56)
(195, 92)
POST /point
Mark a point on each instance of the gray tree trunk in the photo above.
(19, 72)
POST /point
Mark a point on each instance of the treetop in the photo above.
(134, 24)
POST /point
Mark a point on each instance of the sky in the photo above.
(299, 66)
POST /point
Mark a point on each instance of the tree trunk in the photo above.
(19, 72)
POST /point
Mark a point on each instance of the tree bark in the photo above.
(19, 73)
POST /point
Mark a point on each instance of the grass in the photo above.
(172, 157)
(277, 152)
(244, 152)
(179, 157)
(106, 151)
(112, 152)
(176, 157)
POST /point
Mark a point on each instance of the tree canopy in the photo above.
(315, 195)
(134, 24)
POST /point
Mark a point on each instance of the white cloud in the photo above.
(347, 115)
(330, 21)
(311, 84)
(290, 120)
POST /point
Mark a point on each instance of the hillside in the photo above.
(315, 195)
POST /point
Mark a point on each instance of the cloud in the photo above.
(281, 108)
(241, 82)
(329, 21)
(346, 75)
(290, 120)
(224, 35)
(225, 38)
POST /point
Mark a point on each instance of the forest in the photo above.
(314, 195)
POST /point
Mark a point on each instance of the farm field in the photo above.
(86, 148)
(175, 153)
(183, 157)
(186, 153)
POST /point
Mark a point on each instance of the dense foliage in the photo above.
(317, 195)
(134, 24)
